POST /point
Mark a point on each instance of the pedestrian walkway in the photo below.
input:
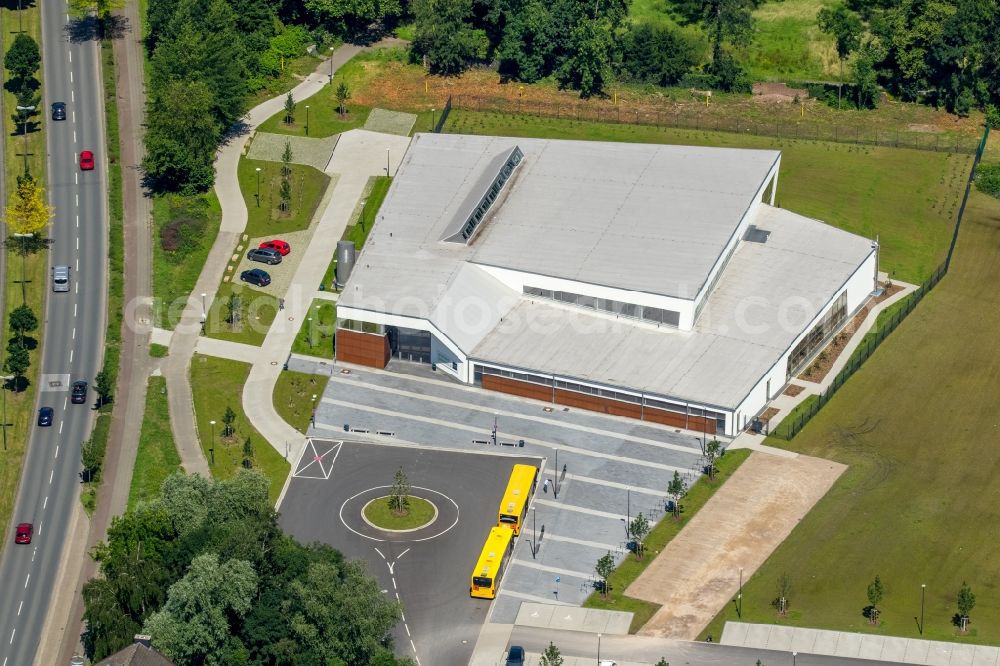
(847, 644)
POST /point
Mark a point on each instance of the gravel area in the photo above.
(312, 152)
(390, 122)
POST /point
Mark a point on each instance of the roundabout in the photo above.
(432, 514)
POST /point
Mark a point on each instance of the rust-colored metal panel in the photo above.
(362, 348)
(596, 403)
(664, 417)
(515, 387)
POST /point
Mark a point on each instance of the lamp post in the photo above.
(598, 649)
(312, 418)
(5, 378)
(534, 529)
(923, 592)
(794, 654)
(309, 326)
(739, 597)
(387, 162)
(24, 111)
(331, 65)
(258, 187)
(307, 120)
(24, 253)
(211, 447)
(433, 118)
(204, 311)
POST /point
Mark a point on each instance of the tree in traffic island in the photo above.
(713, 451)
(399, 498)
(17, 364)
(105, 388)
(551, 656)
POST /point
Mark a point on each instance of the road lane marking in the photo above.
(12, 635)
(78, 243)
(74, 116)
(51, 474)
(71, 356)
(74, 136)
(77, 262)
(406, 626)
(19, 607)
(26, 581)
(57, 451)
(70, 54)
(76, 178)
(77, 200)
(74, 309)
(74, 332)
(45, 502)
(65, 402)
(60, 427)
(71, 76)
(77, 289)
(77, 221)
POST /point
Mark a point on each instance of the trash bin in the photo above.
(757, 426)
(347, 427)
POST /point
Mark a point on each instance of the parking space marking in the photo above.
(579, 509)
(315, 458)
(524, 596)
(503, 435)
(549, 536)
(614, 484)
(518, 415)
(583, 575)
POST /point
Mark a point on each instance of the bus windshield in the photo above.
(479, 581)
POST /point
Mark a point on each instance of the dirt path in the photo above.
(698, 572)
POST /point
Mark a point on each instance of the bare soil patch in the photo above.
(697, 574)
(793, 390)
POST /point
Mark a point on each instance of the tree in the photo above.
(713, 450)
(677, 489)
(875, 592)
(846, 28)
(22, 320)
(966, 602)
(100, 9)
(639, 528)
(23, 57)
(445, 34)
(356, 15)
(286, 159)
(285, 194)
(551, 656)
(289, 111)
(28, 213)
(247, 453)
(784, 590)
(605, 567)
(343, 94)
(193, 625)
(399, 497)
(181, 137)
(588, 67)
(866, 77)
(232, 313)
(228, 419)
(17, 363)
(104, 387)
(92, 459)
(663, 662)
(659, 54)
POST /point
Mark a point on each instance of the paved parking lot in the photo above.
(427, 570)
(614, 467)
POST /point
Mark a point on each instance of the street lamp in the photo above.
(313, 417)
(24, 251)
(331, 65)
(307, 120)
(923, 591)
(204, 311)
(534, 540)
(25, 110)
(433, 118)
(387, 162)
(211, 447)
(5, 378)
(739, 597)
(794, 654)
(598, 649)
(309, 326)
(258, 187)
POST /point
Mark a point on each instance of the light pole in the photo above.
(313, 417)
(331, 65)
(534, 529)
(307, 120)
(258, 187)
(24, 111)
(433, 118)
(739, 597)
(923, 591)
(387, 162)
(794, 654)
(5, 378)
(204, 311)
(211, 447)
(555, 478)
(23, 250)
(598, 649)
(309, 326)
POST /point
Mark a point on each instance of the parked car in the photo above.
(78, 395)
(86, 160)
(256, 276)
(515, 656)
(264, 256)
(58, 110)
(281, 246)
(60, 278)
(45, 416)
(23, 533)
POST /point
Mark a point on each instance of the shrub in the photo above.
(185, 229)
(988, 179)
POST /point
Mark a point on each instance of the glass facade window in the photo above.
(645, 313)
(360, 326)
(510, 374)
(469, 230)
(824, 328)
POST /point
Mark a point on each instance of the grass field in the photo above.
(364, 219)
(257, 310)
(379, 514)
(324, 119)
(218, 383)
(293, 397)
(788, 45)
(308, 185)
(915, 424)
(908, 198)
(158, 351)
(157, 457)
(315, 337)
(657, 540)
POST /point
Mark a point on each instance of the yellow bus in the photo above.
(492, 562)
(515, 500)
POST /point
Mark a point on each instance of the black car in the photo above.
(45, 416)
(58, 110)
(256, 276)
(79, 394)
(264, 255)
(515, 656)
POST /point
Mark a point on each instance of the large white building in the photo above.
(657, 282)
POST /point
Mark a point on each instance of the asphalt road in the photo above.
(677, 653)
(428, 570)
(74, 334)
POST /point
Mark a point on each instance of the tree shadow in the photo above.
(82, 30)
(17, 384)
(11, 5)
(15, 84)
(29, 343)
(22, 128)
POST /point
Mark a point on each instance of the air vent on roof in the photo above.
(477, 204)
(755, 235)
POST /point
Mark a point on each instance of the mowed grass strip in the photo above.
(316, 335)
(907, 198)
(217, 383)
(157, 457)
(379, 514)
(920, 502)
(658, 538)
(324, 118)
(307, 184)
(251, 319)
(293, 397)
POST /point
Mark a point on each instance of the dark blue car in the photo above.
(45, 416)
(515, 656)
(256, 276)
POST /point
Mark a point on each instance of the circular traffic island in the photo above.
(419, 514)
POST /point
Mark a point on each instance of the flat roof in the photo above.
(769, 292)
(642, 217)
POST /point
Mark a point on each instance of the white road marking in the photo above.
(581, 542)
(19, 607)
(72, 96)
(45, 502)
(380, 553)
(71, 76)
(76, 290)
(60, 427)
(401, 554)
(531, 564)
(26, 581)
(51, 474)
(74, 309)
(397, 597)
(78, 243)
(579, 509)
(74, 332)
(74, 136)
(77, 262)
(615, 484)
(65, 402)
(524, 596)
(393, 578)
(77, 221)
(70, 54)
(71, 356)
(76, 178)
(57, 451)
(12, 635)
(405, 626)
(391, 573)
(74, 116)
(412, 645)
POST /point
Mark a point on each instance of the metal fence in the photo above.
(795, 421)
(687, 118)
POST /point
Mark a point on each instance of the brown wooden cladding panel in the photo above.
(664, 417)
(362, 348)
(515, 387)
(701, 424)
(596, 403)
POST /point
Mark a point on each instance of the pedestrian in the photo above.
(281, 304)
(545, 486)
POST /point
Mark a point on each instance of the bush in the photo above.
(988, 179)
(186, 228)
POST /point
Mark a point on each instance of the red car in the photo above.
(86, 160)
(23, 534)
(280, 246)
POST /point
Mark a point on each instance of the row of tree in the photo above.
(206, 571)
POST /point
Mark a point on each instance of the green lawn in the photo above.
(308, 186)
(175, 272)
(788, 45)
(256, 312)
(915, 425)
(158, 351)
(324, 119)
(379, 514)
(908, 198)
(316, 335)
(293, 397)
(218, 383)
(361, 226)
(662, 534)
(157, 457)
